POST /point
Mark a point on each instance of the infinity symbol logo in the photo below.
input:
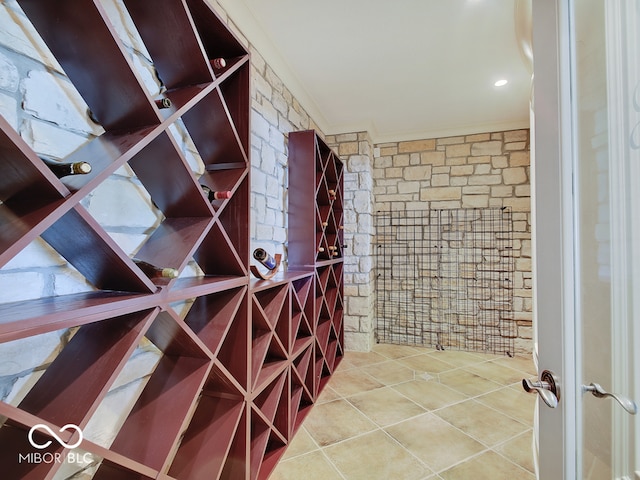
(41, 426)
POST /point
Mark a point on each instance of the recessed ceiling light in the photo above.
(501, 83)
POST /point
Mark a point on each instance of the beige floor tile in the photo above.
(426, 363)
(328, 394)
(332, 422)
(513, 402)
(395, 352)
(302, 443)
(468, 383)
(519, 450)
(460, 359)
(375, 456)
(497, 372)
(481, 422)
(351, 382)
(385, 406)
(430, 394)
(522, 363)
(390, 373)
(362, 359)
(488, 466)
(312, 466)
(434, 441)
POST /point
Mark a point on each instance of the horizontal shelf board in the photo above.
(153, 426)
(326, 263)
(206, 444)
(280, 278)
(217, 167)
(47, 314)
(190, 287)
(71, 387)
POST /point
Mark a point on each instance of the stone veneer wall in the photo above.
(356, 150)
(473, 171)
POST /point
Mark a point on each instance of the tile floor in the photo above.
(409, 413)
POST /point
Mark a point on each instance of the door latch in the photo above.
(599, 392)
(547, 388)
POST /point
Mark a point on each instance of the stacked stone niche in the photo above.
(468, 171)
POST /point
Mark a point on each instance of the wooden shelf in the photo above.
(240, 361)
(316, 241)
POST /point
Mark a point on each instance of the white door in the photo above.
(586, 209)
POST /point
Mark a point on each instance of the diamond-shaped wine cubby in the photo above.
(167, 359)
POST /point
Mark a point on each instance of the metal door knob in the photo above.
(547, 388)
(599, 392)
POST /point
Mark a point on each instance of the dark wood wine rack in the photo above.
(238, 373)
(316, 239)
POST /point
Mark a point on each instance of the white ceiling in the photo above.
(402, 69)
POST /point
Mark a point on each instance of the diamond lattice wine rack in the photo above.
(225, 367)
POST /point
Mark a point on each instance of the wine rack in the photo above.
(238, 362)
(316, 240)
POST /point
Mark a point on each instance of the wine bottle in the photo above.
(163, 103)
(154, 272)
(60, 169)
(264, 258)
(212, 195)
(219, 63)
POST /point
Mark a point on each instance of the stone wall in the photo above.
(356, 150)
(473, 171)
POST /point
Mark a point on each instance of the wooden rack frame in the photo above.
(241, 369)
